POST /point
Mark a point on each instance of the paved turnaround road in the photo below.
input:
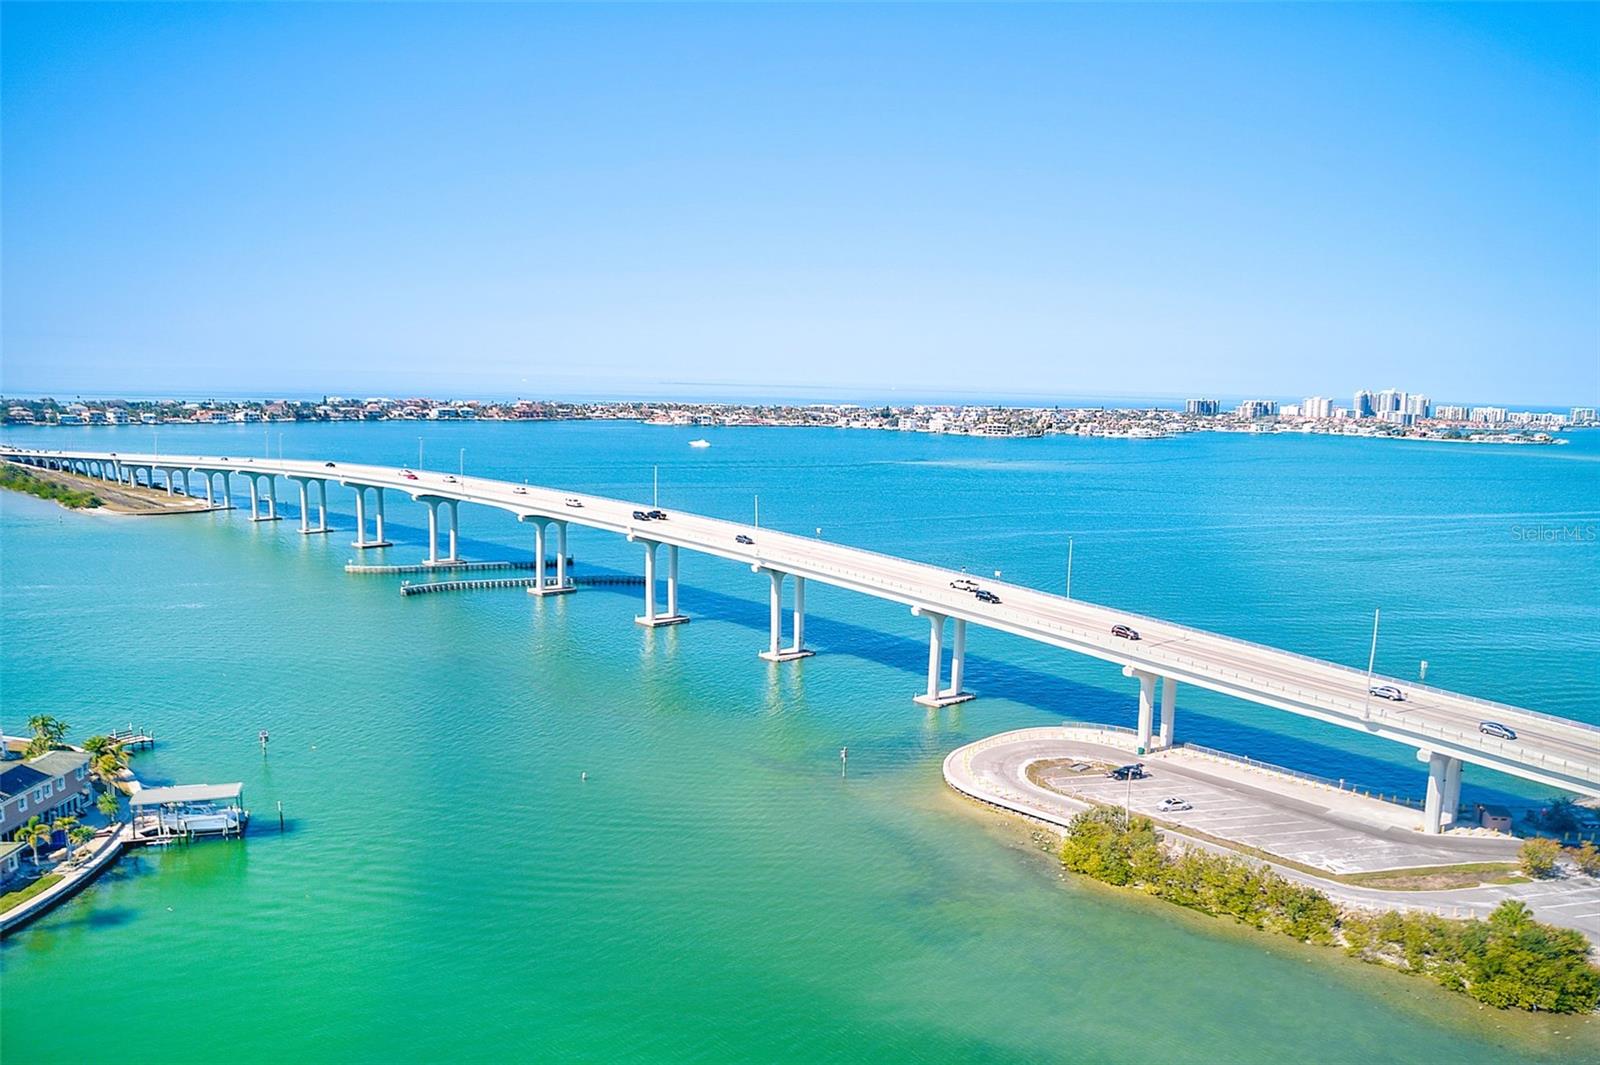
(1554, 751)
(995, 771)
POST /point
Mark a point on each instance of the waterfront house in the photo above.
(52, 785)
(10, 860)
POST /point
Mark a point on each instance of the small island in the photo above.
(18, 479)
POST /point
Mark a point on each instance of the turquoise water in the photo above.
(448, 887)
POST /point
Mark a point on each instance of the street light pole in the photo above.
(462, 470)
(1372, 658)
(655, 486)
(1069, 567)
(419, 452)
(758, 512)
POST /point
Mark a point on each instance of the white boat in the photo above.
(699, 443)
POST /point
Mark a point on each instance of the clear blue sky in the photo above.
(546, 200)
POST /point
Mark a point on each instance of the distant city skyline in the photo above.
(802, 201)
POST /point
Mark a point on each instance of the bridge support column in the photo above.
(272, 498)
(1169, 709)
(186, 490)
(1147, 699)
(936, 696)
(168, 474)
(542, 584)
(227, 489)
(561, 558)
(455, 556)
(210, 500)
(650, 618)
(1434, 806)
(433, 532)
(775, 651)
(361, 542)
(377, 495)
(1452, 791)
(322, 507)
(305, 505)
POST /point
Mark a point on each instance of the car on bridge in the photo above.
(519, 490)
(408, 475)
(640, 515)
(743, 539)
(656, 515)
(1173, 805)
(1387, 691)
(985, 596)
(964, 584)
(574, 501)
(329, 464)
(1124, 632)
(1497, 730)
(450, 478)
(1129, 772)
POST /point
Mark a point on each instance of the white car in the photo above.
(519, 491)
(574, 501)
(1172, 806)
(1388, 691)
(964, 584)
(450, 478)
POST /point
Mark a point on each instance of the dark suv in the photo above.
(1128, 772)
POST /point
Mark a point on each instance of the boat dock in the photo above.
(427, 587)
(433, 567)
(133, 739)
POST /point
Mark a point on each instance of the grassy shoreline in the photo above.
(18, 479)
(1509, 961)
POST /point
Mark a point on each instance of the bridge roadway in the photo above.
(1442, 726)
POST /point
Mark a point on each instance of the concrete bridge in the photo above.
(1441, 726)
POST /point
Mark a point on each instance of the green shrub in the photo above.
(1586, 858)
(1508, 961)
(1538, 857)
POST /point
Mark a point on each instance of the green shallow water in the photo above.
(448, 887)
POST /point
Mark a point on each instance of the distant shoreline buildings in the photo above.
(1389, 413)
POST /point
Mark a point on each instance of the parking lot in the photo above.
(1292, 830)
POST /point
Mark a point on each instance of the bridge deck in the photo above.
(1552, 750)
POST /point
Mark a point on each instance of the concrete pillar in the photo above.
(538, 553)
(775, 634)
(186, 490)
(433, 532)
(1169, 709)
(454, 532)
(322, 506)
(255, 513)
(1147, 692)
(958, 657)
(272, 498)
(1452, 791)
(168, 473)
(799, 615)
(561, 554)
(935, 653)
(377, 494)
(649, 582)
(305, 506)
(210, 502)
(361, 517)
(1434, 806)
(227, 489)
(672, 580)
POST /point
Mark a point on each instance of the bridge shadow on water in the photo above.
(1051, 693)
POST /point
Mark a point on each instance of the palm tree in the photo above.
(109, 762)
(79, 835)
(33, 833)
(107, 804)
(48, 732)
